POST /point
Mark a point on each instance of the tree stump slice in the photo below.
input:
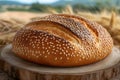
(20, 69)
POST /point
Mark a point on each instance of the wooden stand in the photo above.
(24, 70)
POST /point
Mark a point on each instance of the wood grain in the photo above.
(23, 70)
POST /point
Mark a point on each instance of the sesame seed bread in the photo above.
(62, 40)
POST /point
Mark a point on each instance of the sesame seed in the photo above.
(68, 58)
(60, 58)
(56, 58)
(45, 56)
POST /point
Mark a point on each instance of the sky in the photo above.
(41, 1)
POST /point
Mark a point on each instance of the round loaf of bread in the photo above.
(62, 40)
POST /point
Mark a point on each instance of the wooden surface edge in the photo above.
(22, 74)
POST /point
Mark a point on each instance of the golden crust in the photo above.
(62, 40)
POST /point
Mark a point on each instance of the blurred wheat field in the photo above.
(11, 22)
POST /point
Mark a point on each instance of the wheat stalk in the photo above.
(52, 11)
(112, 20)
(68, 10)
